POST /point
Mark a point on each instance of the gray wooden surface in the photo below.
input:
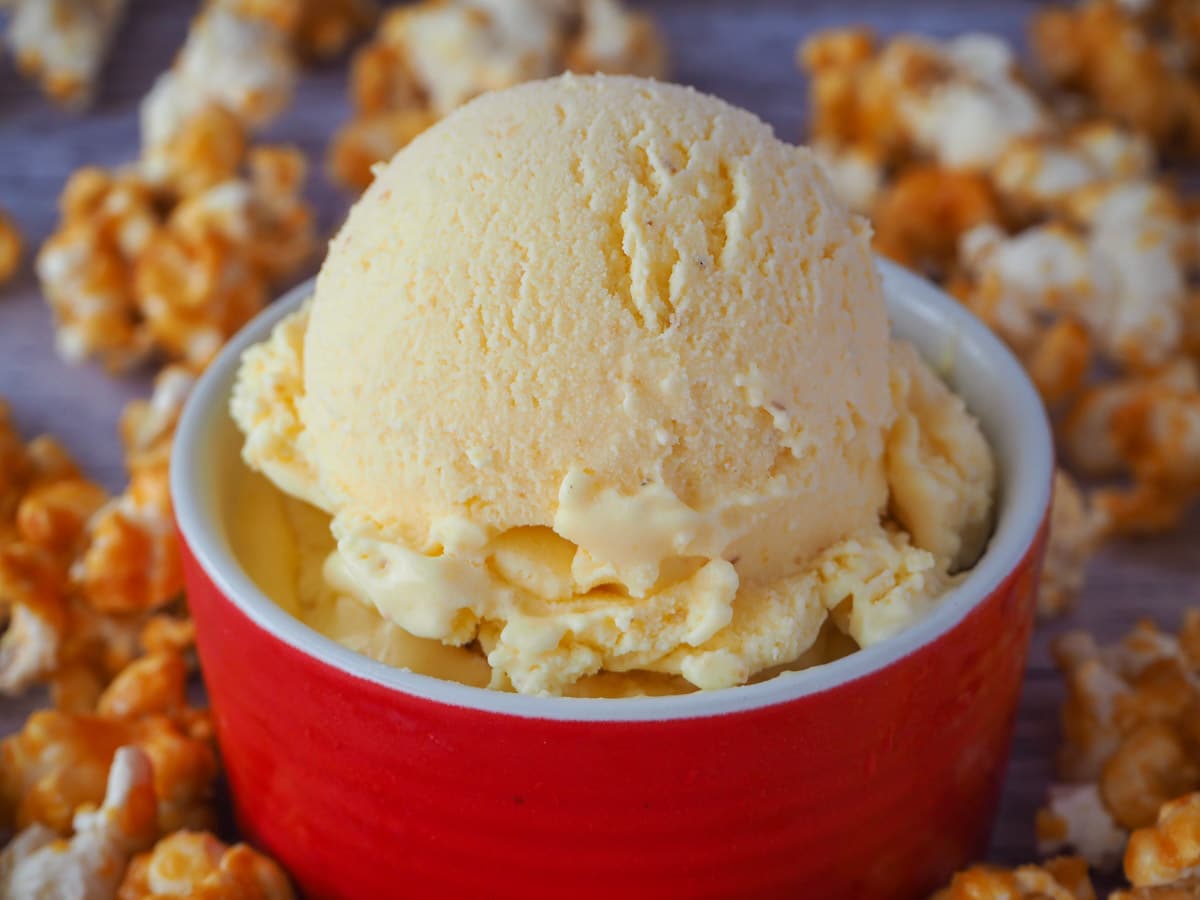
(739, 49)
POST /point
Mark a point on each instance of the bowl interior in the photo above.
(976, 365)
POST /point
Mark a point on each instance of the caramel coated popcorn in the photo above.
(1148, 427)
(1131, 727)
(137, 269)
(957, 102)
(1133, 62)
(237, 58)
(62, 44)
(921, 217)
(427, 59)
(45, 505)
(58, 762)
(38, 862)
(84, 579)
(1059, 879)
(196, 865)
(131, 563)
(1166, 855)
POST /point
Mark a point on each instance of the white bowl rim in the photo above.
(1028, 484)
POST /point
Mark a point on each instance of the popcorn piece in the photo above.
(856, 171)
(1131, 724)
(1137, 241)
(203, 150)
(1028, 289)
(1037, 175)
(921, 217)
(136, 269)
(11, 247)
(852, 99)
(1149, 427)
(1076, 527)
(1168, 851)
(84, 268)
(614, 40)
(90, 863)
(62, 44)
(131, 563)
(1122, 274)
(1059, 360)
(31, 588)
(958, 102)
(1153, 764)
(1076, 817)
(233, 59)
(58, 763)
(197, 865)
(1135, 67)
(1058, 879)
(428, 59)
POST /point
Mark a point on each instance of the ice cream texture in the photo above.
(597, 378)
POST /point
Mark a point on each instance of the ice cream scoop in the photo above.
(597, 377)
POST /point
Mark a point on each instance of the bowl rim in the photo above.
(1027, 487)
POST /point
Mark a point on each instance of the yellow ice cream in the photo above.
(597, 379)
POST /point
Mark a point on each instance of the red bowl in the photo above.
(875, 776)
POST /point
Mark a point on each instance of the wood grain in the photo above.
(739, 49)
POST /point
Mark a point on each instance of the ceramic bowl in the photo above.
(874, 776)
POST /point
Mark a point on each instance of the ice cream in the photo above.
(597, 378)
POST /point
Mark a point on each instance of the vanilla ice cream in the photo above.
(597, 379)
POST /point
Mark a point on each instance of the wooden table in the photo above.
(739, 49)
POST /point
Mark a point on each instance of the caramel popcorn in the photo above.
(1037, 175)
(234, 58)
(1146, 427)
(857, 172)
(62, 44)
(428, 59)
(1134, 64)
(131, 563)
(198, 866)
(83, 578)
(88, 864)
(1059, 879)
(957, 102)
(59, 761)
(1122, 274)
(137, 269)
(921, 216)
(11, 247)
(1131, 725)
(45, 504)
(1168, 852)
